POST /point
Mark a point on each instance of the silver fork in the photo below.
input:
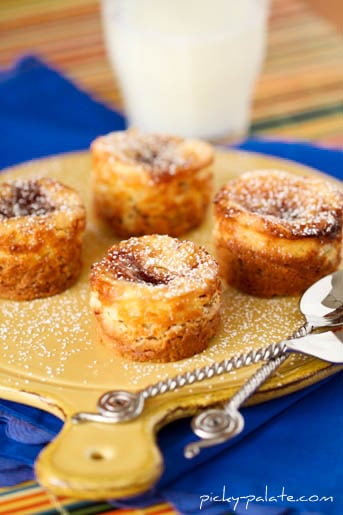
(215, 426)
(322, 306)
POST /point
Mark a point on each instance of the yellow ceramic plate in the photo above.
(50, 358)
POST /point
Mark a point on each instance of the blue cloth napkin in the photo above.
(289, 457)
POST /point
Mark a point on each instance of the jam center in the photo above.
(127, 266)
(24, 199)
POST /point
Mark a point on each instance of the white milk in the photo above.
(187, 67)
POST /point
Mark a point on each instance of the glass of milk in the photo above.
(187, 67)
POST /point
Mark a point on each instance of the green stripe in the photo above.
(52, 511)
(94, 508)
(11, 491)
(296, 117)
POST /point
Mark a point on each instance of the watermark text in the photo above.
(238, 500)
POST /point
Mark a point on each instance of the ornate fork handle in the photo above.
(119, 406)
(215, 426)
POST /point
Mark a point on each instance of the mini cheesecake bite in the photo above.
(156, 298)
(277, 233)
(41, 226)
(151, 183)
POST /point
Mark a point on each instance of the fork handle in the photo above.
(216, 426)
(262, 374)
(255, 381)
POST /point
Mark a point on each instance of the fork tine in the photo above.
(336, 313)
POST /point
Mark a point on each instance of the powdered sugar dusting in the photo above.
(302, 206)
(27, 199)
(59, 345)
(45, 344)
(160, 154)
(158, 261)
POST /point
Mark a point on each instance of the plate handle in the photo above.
(94, 460)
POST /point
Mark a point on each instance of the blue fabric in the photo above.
(41, 114)
(293, 443)
(329, 161)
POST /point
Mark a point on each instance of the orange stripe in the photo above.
(61, 14)
(46, 503)
(22, 498)
(25, 501)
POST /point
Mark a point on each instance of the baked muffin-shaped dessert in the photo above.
(277, 233)
(41, 227)
(156, 298)
(151, 183)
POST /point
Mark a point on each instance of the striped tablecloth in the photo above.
(298, 96)
(31, 499)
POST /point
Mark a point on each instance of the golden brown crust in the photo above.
(41, 227)
(276, 233)
(191, 339)
(156, 298)
(145, 184)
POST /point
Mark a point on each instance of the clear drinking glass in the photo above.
(187, 67)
